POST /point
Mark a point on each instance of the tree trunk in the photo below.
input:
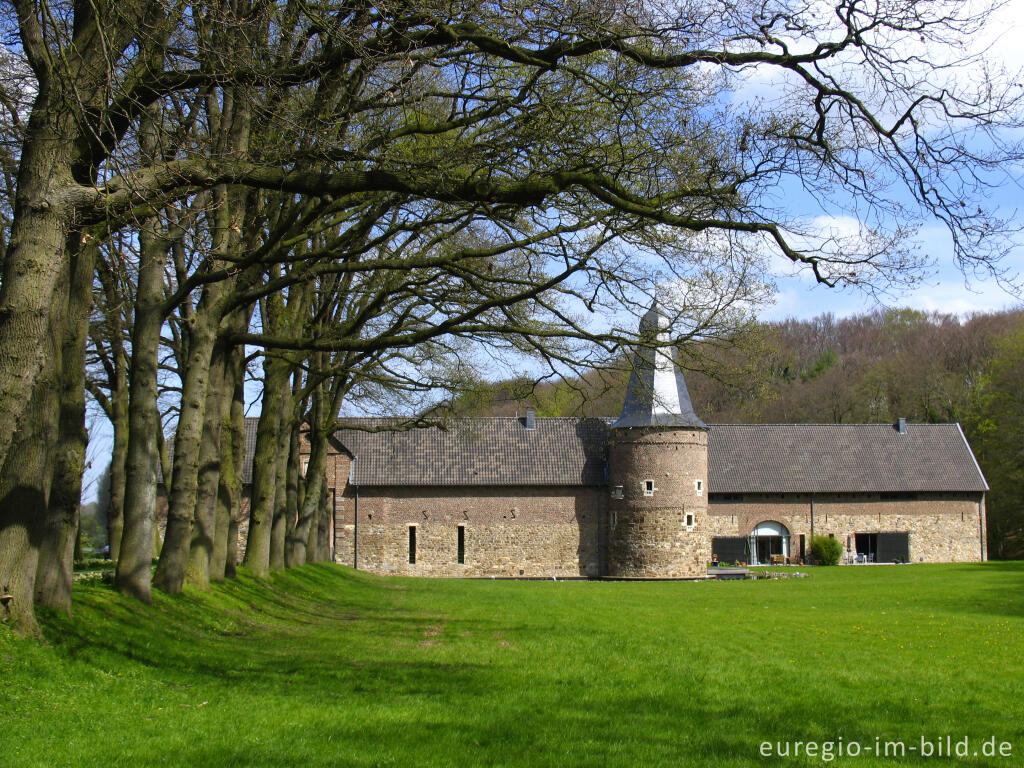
(25, 484)
(306, 528)
(292, 495)
(279, 529)
(34, 268)
(181, 508)
(33, 265)
(60, 527)
(238, 445)
(137, 541)
(119, 420)
(116, 407)
(323, 549)
(24, 489)
(313, 540)
(229, 489)
(204, 534)
(264, 474)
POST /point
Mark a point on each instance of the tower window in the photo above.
(616, 491)
(462, 545)
(698, 486)
(412, 545)
(648, 487)
(689, 520)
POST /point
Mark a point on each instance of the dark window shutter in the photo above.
(730, 549)
(893, 547)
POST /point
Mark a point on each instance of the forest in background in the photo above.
(876, 367)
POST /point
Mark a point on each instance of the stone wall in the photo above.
(943, 527)
(510, 531)
(563, 531)
(662, 474)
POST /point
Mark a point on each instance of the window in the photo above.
(614, 518)
(648, 487)
(616, 491)
(689, 520)
(412, 545)
(698, 486)
(867, 547)
(462, 545)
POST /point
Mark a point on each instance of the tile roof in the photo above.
(250, 449)
(742, 458)
(823, 458)
(480, 451)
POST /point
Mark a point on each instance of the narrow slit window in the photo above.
(412, 545)
(698, 485)
(689, 520)
(462, 545)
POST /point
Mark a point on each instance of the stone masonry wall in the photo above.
(648, 532)
(508, 531)
(942, 527)
(561, 531)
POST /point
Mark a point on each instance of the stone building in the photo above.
(656, 493)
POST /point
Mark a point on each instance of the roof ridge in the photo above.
(829, 424)
(250, 419)
(471, 418)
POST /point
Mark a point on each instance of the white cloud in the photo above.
(1002, 37)
(948, 298)
(944, 288)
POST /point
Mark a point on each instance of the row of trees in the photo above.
(374, 202)
(871, 368)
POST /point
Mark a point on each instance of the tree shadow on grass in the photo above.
(323, 666)
(995, 588)
(649, 728)
(313, 636)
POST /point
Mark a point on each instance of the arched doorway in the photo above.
(767, 539)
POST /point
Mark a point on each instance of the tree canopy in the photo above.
(360, 193)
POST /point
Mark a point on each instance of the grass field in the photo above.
(328, 666)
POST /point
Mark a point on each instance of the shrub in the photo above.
(826, 550)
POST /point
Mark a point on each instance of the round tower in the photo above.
(657, 469)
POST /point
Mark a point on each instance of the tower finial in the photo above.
(656, 395)
(655, 319)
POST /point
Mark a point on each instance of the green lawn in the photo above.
(327, 666)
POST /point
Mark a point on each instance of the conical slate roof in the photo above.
(656, 395)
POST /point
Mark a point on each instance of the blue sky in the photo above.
(943, 289)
